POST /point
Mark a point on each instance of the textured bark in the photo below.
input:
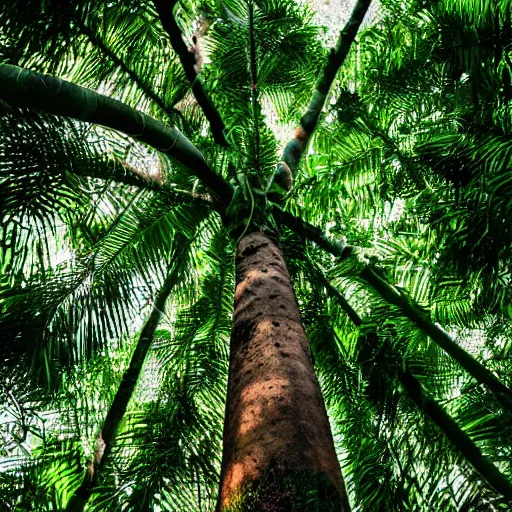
(276, 429)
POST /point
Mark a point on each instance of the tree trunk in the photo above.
(278, 450)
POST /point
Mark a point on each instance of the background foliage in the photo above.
(410, 165)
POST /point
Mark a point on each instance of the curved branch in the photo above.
(164, 9)
(438, 415)
(45, 93)
(121, 172)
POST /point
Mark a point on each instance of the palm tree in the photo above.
(144, 183)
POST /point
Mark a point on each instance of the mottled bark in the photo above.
(278, 448)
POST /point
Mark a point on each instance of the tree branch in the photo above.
(295, 148)
(130, 377)
(120, 172)
(164, 9)
(312, 233)
(45, 93)
(406, 305)
(321, 279)
(439, 336)
(439, 416)
(456, 435)
(143, 86)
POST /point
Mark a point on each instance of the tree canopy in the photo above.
(139, 140)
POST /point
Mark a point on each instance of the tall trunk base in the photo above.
(278, 450)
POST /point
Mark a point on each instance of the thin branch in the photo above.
(164, 9)
(120, 172)
(254, 86)
(125, 391)
(437, 414)
(438, 335)
(312, 233)
(456, 435)
(46, 93)
(342, 301)
(407, 306)
(295, 148)
(442, 419)
(318, 273)
(143, 86)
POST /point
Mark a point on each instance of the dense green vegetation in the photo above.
(116, 231)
